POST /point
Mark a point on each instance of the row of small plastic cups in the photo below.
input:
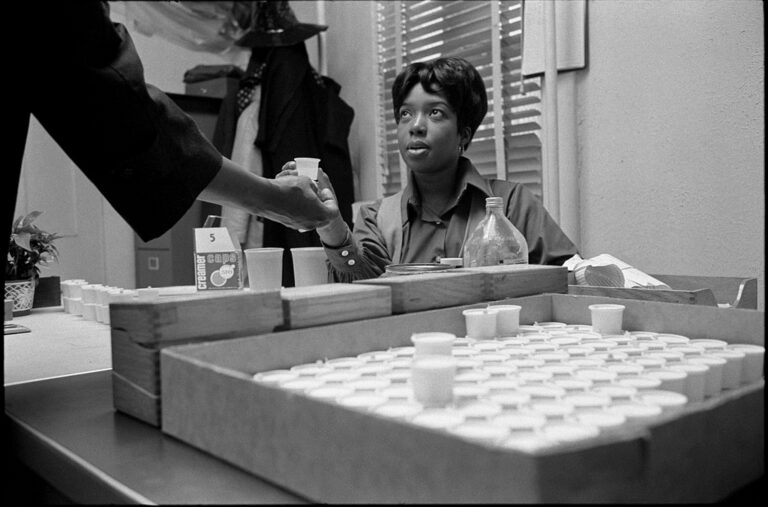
(497, 416)
(669, 368)
(92, 300)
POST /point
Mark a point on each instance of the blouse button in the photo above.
(351, 262)
(344, 253)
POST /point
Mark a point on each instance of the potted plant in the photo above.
(29, 249)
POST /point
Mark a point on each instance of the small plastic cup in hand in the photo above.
(265, 268)
(433, 344)
(432, 380)
(607, 318)
(307, 166)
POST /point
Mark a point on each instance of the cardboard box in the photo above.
(317, 305)
(139, 330)
(329, 453)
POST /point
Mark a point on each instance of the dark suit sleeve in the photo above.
(143, 153)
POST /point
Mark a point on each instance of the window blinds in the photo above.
(488, 34)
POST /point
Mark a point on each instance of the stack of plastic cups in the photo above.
(76, 297)
(433, 369)
(754, 359)
(90, 300)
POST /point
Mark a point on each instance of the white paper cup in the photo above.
(507, 320)
(713, 381)
(432, 380)
(733, 366)
(754, 358)
(89, 311)
(309, 266)
(307, 166)
(607, 318)
(480, 323)
(432, 343)
(265, 268)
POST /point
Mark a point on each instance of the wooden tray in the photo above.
(734, 292)
(139, 330)
(328, 453)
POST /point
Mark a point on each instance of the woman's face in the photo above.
(427, 132)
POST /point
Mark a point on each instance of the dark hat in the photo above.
(273, 24)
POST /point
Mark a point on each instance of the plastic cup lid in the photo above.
(329, 392)
(636, 410)
(438, 418)
(480, 409)
(399, 409)
(275, 376)
(301, 384)
(663, 398)
(521, 421)
(570, 432)
(601, 419)
(362, 400)
(482, 431)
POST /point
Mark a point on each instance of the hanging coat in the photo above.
(302, 115)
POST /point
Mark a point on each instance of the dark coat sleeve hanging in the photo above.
(302, 115)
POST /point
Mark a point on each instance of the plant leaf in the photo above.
(22, 239)
(30, 218)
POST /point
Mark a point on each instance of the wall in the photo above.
(671, 135)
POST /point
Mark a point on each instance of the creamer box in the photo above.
(218, 265)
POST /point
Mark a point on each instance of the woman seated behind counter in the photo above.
(438, 107)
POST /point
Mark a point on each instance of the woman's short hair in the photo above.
(455, 79)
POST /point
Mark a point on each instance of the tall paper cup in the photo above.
(265, 268)
(309, 266)
(307, 166)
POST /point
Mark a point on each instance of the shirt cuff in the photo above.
(344, 257)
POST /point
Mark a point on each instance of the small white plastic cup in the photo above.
(432, 344)
(754, 358)
(733, 366)
(480, 323)
(671, 380)
(669, 401)
(307, 166)
(432, 380)
(265, 268)
(309, 266)
(713, 381)
(695, 382)
(507, 320)
(607, 318)
(89, 311)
